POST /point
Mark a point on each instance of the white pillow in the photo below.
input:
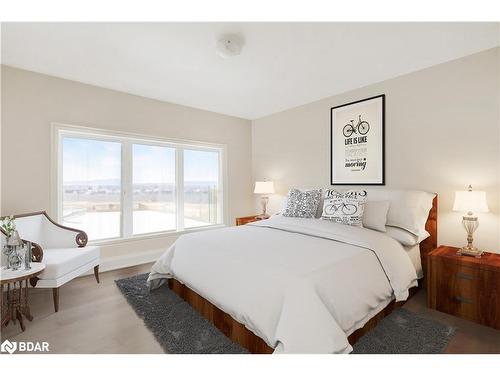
(375, 215)
(409, 208)
(344, 207)
(404, 237)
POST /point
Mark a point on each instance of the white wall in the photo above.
(498, 79)
(1, 68)
(442, 133)
(31, 102)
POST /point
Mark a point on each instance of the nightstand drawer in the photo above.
(465, 287)
(457, 291)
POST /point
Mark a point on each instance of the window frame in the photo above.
(126, 140)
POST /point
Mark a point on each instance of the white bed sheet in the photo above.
(303, 285)
(414, 254)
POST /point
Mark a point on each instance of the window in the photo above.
(120, 186)
(92, 186)
(153, 188)
(201, 186)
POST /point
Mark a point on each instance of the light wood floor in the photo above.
(92, 318)
(96, 318)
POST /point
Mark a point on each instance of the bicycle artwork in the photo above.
(357, 147)
(362, 127)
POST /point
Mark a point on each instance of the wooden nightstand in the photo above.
(465, 286)
(247, 219)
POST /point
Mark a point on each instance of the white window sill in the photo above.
(156, 235)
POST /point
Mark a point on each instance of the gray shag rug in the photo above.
(182, 330)
(176, 325)
(404, 332)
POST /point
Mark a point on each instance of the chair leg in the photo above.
(96, 273)
(55, 296)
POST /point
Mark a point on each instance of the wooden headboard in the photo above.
(430, 243)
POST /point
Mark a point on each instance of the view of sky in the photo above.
(153, 164)
(201, 166)
(91, 160)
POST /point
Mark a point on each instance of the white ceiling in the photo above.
(282, 65)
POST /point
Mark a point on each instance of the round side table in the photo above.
(15, 286)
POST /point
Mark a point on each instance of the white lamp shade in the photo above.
(264, 187)
(470, 201)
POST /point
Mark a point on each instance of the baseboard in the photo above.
(127, 260)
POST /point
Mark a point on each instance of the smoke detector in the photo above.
(229, 45)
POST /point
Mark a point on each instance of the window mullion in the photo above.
(60, 183)
(221, 206)
(127, 190)
(179, 187)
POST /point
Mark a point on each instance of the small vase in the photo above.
(15, 260)
(7, 250)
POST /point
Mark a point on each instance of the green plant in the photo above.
(8, 224)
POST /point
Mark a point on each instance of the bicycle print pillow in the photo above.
(344, 207)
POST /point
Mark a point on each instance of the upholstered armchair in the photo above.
(63, 250)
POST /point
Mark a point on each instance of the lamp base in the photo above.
(470, 251)
(263, 201)
(470, 224)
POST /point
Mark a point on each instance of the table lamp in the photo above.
(471, 202)
(264, 188)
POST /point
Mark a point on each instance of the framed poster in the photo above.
(357, 142)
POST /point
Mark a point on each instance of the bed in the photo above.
(291, 285)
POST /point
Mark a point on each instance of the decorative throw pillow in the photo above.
(302, 203)
(344, 207)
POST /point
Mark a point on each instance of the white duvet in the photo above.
(302, 285)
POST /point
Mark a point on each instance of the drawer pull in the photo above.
(464, 276)
(463, 299)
